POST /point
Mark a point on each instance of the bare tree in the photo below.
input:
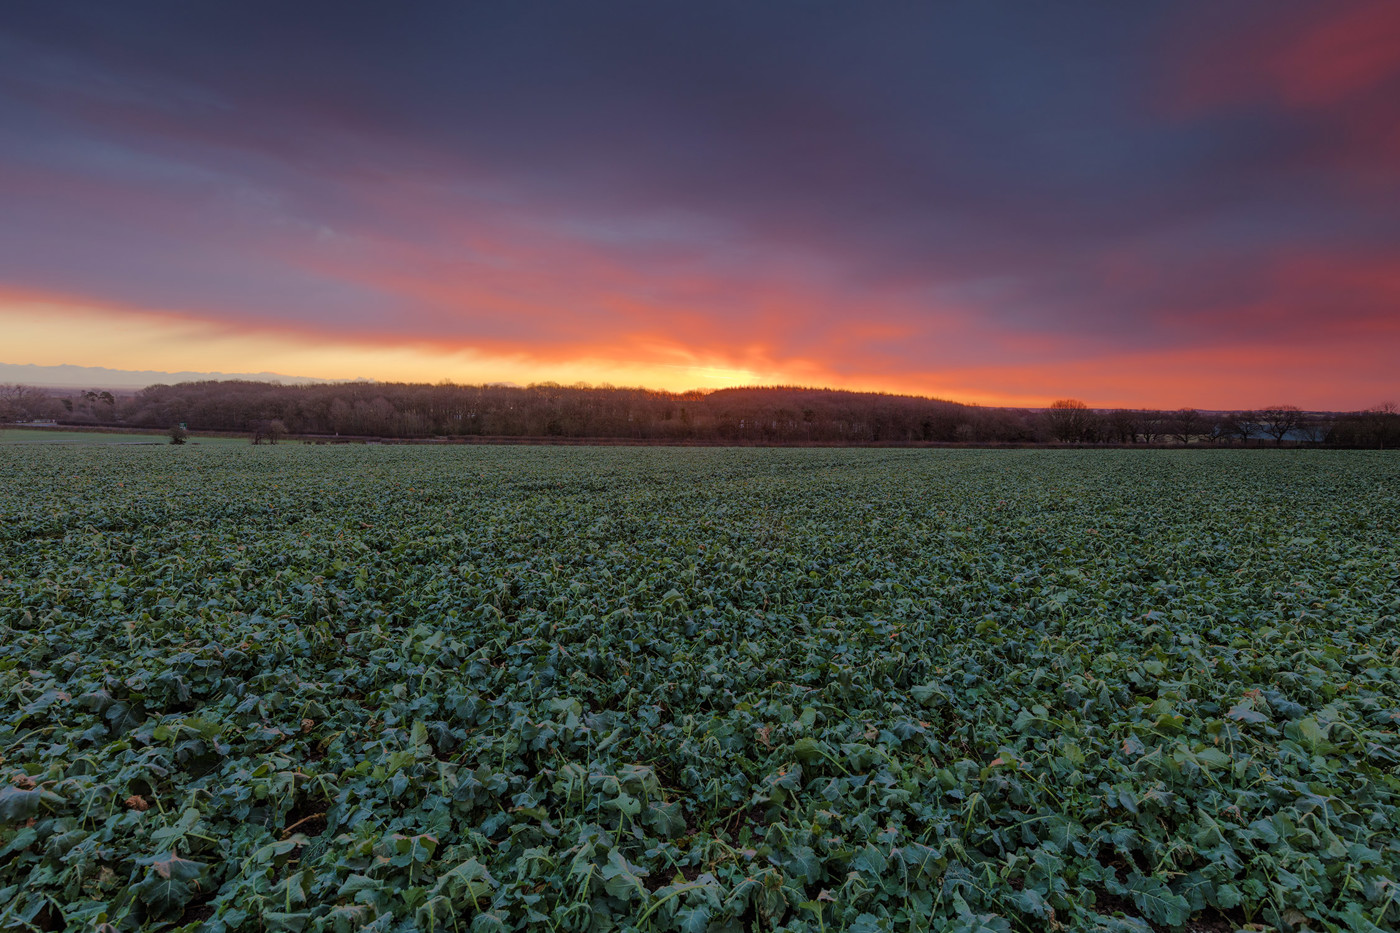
(268, 431)
(1069, 419)
(1185, 424)
(1278, 420)
(1149, 425)
(1242, 425)
(1387, 424)
(1121, 425)
(25, 403)
(1383, 424)
(1315, 428)
(1219, 429)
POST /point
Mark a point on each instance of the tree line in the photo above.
(776, 414)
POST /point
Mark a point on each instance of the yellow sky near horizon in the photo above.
(49, 333)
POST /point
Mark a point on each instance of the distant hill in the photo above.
(100, 377)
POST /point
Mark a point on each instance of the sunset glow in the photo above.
(1159, 204)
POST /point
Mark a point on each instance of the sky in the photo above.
(1151, 204)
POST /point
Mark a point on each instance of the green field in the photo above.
(390, 688)
(10, 436)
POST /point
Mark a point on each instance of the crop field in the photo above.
(500, 688)
(10, 436)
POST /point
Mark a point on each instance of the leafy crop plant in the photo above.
(301, 688)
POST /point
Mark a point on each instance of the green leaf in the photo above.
(488, 922)
(468, 881)
(170, 883)
(1157, 902)
(805, 863)
(1312, 733)
(621, 879)
(868, 923)
(1244, 711)
(291, 922)
(932, 694)
(1213, 758)
(870, 860)
(350, 917)
(18, 805)
(693, 919)
(1030, 901)
(666, 819)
